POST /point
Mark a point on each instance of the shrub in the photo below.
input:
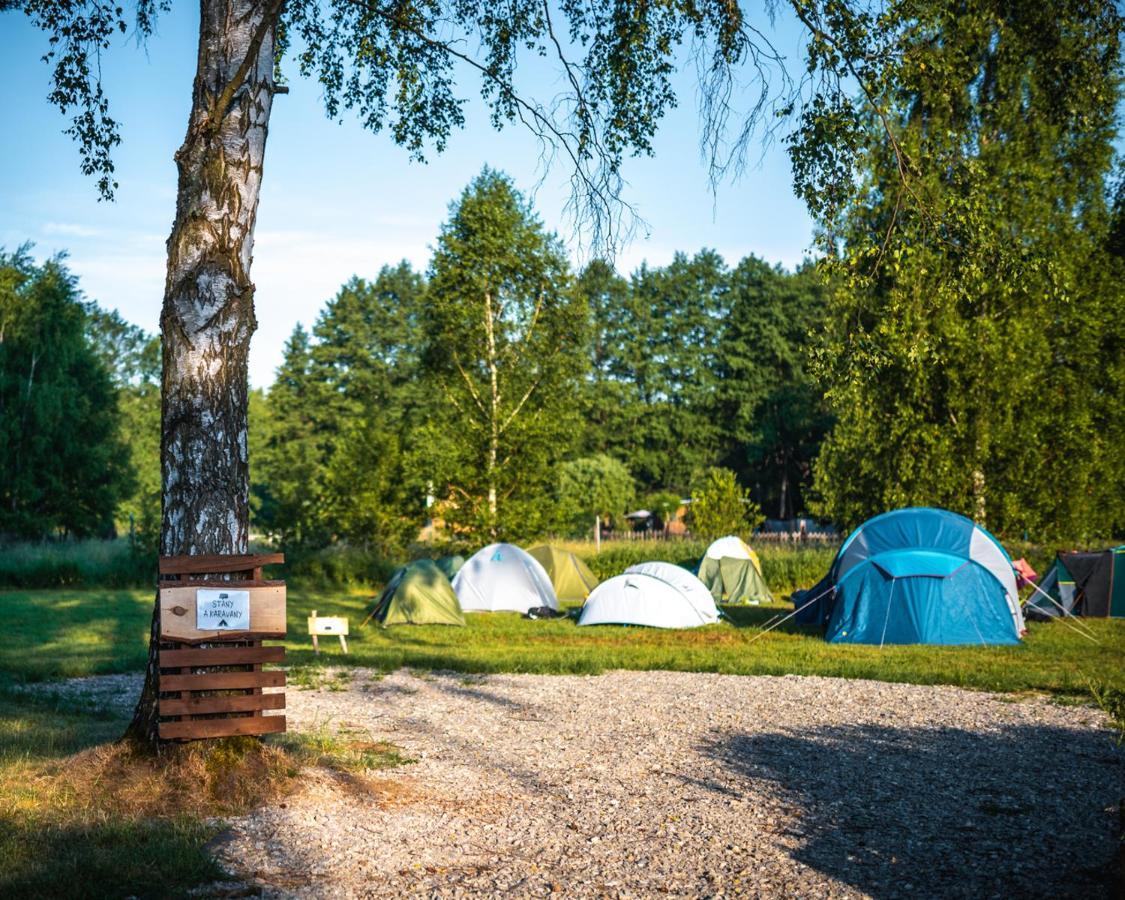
(89, 563)
(786, 567)
(338, 565)
(720, 506)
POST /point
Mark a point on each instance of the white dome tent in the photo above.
(730, 547)
(503, 577)
(656, 594)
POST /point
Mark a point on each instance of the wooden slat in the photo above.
(205, 705)
(214, 564)
(177, 615)
(211, 728)
(221, 681)
(236, 583)
(221, 656)
(213, 637)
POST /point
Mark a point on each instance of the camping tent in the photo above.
(1084, 584)
(919, 576)
(570, 577)
(503, 577)
(417, 594)
(733, 572)
(657, 594)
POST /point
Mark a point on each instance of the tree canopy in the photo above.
(63, 469)
(964, 358)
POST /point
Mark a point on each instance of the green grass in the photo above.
(55, 842)
(82, 816)
(56, 634)
(64, 633)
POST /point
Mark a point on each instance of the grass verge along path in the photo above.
(59, 634)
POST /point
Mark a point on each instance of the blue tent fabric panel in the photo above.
(904, 528)
(875, 608)
(905, 563)
(814, 605)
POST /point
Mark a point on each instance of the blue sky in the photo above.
(336, 200)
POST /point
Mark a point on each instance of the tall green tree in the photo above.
(132, 357)
(63, 468)
(653, 394)
(968, 311)
(505, 338)
(341, 412)
(773, 410)
(289, 473)
(366, 370)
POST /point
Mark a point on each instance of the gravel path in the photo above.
(647, 783)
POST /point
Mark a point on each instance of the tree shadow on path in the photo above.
(1026, 811)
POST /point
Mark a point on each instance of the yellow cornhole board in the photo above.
(328, 625)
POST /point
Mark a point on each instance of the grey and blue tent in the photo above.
(1081, 583)
(917, 576)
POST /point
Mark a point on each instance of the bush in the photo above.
(338, 565)
(720, 506)
(785, 568)
(90, 563)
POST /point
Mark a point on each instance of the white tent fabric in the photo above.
(694, 590)
(658, 598)
(984, 550)
(729, 547)
(503, 577)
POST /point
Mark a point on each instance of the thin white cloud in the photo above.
(71, 229)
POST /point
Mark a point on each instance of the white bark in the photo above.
(208, 313)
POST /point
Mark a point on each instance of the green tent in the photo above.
(451, 565)
(417, 594)
(571, 578)
(732, 573)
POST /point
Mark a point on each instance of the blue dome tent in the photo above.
(917, 576)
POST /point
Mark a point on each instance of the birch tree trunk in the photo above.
(493, 411)
(208, 313)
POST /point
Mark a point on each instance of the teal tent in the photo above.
(917, 576)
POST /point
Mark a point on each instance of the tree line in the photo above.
(508, 395)
(958, 341)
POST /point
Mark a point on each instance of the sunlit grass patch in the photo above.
(344, 749)
(83, 814)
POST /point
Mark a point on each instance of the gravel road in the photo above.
(641, 784)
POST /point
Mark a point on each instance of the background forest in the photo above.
(958, 342)
(508, 394)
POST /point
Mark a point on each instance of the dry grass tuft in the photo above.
(220, 778)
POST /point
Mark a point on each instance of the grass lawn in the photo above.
(83, 816)
(57, 634)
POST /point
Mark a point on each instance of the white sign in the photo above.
(219, 610)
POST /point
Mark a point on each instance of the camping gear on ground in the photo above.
(1083, 584)
(450, 565)
(570, 577)
(917, 576)
(657, 594)
(503, 577)
(327, 625)
(417, 594)
(733, 572)
(544, 612)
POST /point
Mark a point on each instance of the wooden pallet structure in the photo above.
(215, 614)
